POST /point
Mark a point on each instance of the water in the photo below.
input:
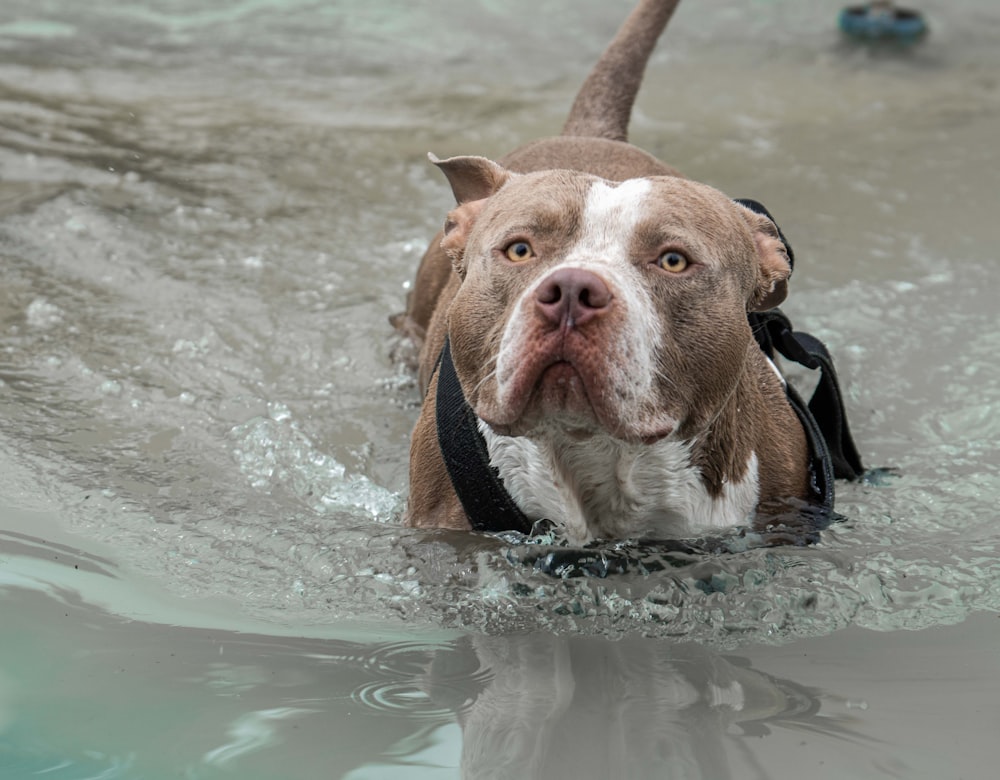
(207, 215)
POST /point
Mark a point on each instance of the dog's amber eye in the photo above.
(672, 261)
(519, 251)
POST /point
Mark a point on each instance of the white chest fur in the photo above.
(602, 487)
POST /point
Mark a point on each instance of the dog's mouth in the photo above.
(547, 389)
(560, 387)
(573, 397)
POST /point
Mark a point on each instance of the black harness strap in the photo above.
(477, 482)
(774, 332)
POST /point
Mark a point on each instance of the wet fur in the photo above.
(608, 470)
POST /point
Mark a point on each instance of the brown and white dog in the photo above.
(595, 301)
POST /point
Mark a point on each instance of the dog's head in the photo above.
(601, 306)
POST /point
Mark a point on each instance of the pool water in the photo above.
(207, 214)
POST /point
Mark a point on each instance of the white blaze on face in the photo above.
(610, 217)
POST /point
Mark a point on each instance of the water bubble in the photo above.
(279, 412)
(43, 314)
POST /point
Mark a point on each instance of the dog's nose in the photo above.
(572, 296)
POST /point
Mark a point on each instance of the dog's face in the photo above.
(595, 306)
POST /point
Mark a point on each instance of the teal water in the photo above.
(207, 214)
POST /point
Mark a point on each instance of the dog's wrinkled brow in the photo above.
(653, 235)
(542, 220)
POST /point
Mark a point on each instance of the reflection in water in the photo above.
(544, 706)
(251, 732)
(162, 701)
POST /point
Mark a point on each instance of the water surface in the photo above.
(206, 217)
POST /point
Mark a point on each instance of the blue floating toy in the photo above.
(883, 21)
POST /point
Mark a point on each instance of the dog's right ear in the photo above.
(774, 256)
(473, 180)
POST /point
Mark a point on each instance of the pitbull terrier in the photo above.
(593, 305)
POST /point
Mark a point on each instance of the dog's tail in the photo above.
(603, 106)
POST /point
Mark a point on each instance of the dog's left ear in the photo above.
(473, 180)
(774, 257)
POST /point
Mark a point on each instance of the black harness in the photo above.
(477, 482)
(833, 454)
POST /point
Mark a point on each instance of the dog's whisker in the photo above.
(490, 375)
(664, 379)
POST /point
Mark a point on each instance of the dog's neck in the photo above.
(606, 488)
(598, 486)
